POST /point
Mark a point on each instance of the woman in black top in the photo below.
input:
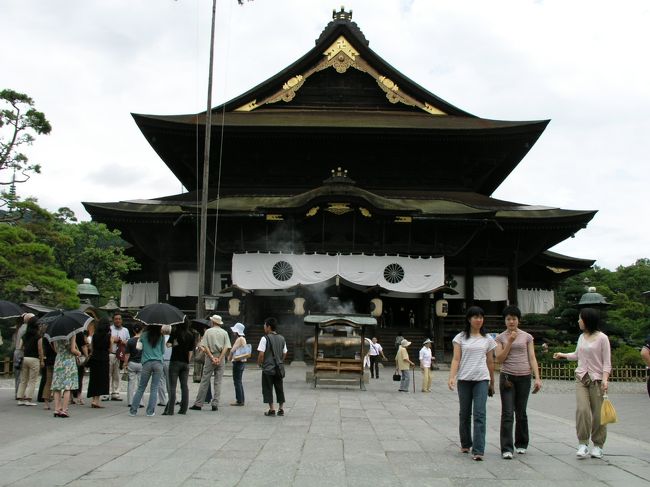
(98, 383)
(31, 364)
(182, 342)
(47, 357)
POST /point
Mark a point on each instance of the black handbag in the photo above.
(397, 377)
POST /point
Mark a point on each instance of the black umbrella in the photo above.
(65, 324)
(10, 310)
(160, 314)
(201, 325)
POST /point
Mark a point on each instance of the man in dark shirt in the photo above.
(272, 351)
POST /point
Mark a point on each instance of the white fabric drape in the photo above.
(535, 300)
(491, 288)
(281, 271)
(138, 294)
(486, 288)
(186, 283)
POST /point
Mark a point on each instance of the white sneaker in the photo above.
(21, 403)
(596, 452)
(506, 455)
(521, 451)
(28, 403)
(583, 451)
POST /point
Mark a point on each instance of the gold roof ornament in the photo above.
(339, 208)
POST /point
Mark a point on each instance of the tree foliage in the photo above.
(629, 316)
(74, 250)
(26, 261)
(19, 123)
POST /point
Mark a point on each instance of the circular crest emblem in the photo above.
(393, 273)
(282, 270)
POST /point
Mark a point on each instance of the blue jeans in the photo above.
(472, 396)
(153, 370)
(514, 400)
(237, 375)
(406, 380)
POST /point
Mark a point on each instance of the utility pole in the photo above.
(203, 233)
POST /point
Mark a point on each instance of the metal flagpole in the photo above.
(200, 305)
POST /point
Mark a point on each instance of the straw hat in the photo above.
(405, 343)
(216, 319)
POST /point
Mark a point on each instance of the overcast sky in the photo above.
(581, 63)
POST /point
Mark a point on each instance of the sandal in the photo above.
(477, 458)
(280, 412)
(464, 450)
(97, 406)
(270, 412)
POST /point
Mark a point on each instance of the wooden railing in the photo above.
(566, 371)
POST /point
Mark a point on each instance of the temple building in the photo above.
(341, 177)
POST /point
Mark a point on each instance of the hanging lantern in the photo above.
(298, 306)
(376, 307)
(233, 307)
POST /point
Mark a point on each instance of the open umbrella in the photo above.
(65, 324)
(10, 310)
(160, 314)
(201, 325)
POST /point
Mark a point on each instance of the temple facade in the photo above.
(341, 177)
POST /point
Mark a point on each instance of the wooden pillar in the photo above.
(438, 331)
(513, 281)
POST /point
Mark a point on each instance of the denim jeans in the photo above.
(237, 375)
(406, 380)
(153, 370)
(514, 400)
(374, 366)
(134, 369)
(472, 396)
(178, 370)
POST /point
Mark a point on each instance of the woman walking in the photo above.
(47, 357)
(238, 364)
(182, 342)
(100, 343)
(153, 350)
(593, 354)
(472, 371)
(516, 353)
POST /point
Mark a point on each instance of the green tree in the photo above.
(24, 260)
(90, 249)
(19, 123)
(80, 250)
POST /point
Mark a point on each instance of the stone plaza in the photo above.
(330, 436)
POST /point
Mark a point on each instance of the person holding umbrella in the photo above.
(65, 376)
(61, 331)
(153, 350)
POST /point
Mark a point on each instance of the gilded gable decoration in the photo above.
(339, 208)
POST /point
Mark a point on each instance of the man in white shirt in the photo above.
(375, 353)
(426, 357)
(121, 336)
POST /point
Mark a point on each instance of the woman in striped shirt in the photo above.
(473, 367)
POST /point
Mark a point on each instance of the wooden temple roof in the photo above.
(342, 102)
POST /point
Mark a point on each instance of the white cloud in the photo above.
(88, 65)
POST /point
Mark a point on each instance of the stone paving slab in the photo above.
(331, 436)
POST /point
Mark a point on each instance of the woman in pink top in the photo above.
(593, 354)
(516, 353)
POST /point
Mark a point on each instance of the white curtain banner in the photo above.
(138, 294)
(486, 288)
(535, 300)
(281, 271)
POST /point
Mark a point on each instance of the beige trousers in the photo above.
(426, 379)
(28, 377)
(589, 400)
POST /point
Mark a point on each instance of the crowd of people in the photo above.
(161, 357)
(155, 356)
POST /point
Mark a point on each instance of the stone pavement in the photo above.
(331, 436)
